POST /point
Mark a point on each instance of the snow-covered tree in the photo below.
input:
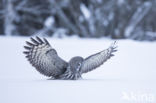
(134, 19)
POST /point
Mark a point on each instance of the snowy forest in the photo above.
(117, 19)
(114, 40)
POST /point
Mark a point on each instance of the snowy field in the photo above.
(128, 77)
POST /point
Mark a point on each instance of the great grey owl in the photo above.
(46, 60)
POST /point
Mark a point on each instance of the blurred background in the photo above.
(117, 19)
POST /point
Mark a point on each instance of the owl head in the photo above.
(75, 64)
(73, 69)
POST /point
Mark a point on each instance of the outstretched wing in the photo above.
(98, 59)
(44, 58)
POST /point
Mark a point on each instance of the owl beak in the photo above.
(78, 68)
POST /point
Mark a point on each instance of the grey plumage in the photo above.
(46, 60)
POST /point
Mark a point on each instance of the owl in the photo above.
(45, 59)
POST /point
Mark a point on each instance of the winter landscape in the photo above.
(80, 28)
(128, 77)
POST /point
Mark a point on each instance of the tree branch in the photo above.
(137, 17)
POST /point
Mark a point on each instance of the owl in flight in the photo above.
(46, 60)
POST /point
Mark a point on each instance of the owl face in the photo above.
(75, 64)
(73, 69)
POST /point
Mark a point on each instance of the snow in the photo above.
(129, 76)
(140, 13)
(49, 21)
(85, 11)
(120, 2)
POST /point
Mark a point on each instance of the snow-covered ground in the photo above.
(128, 77)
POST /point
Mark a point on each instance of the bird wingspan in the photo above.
(95, 60)
(44, 58)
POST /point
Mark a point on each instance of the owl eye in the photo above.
(78, 67)
(79, 64)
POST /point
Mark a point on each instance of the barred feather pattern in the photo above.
(44, 58)
(94, 61)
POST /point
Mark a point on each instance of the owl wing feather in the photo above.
(44, 58)
(95, 60)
